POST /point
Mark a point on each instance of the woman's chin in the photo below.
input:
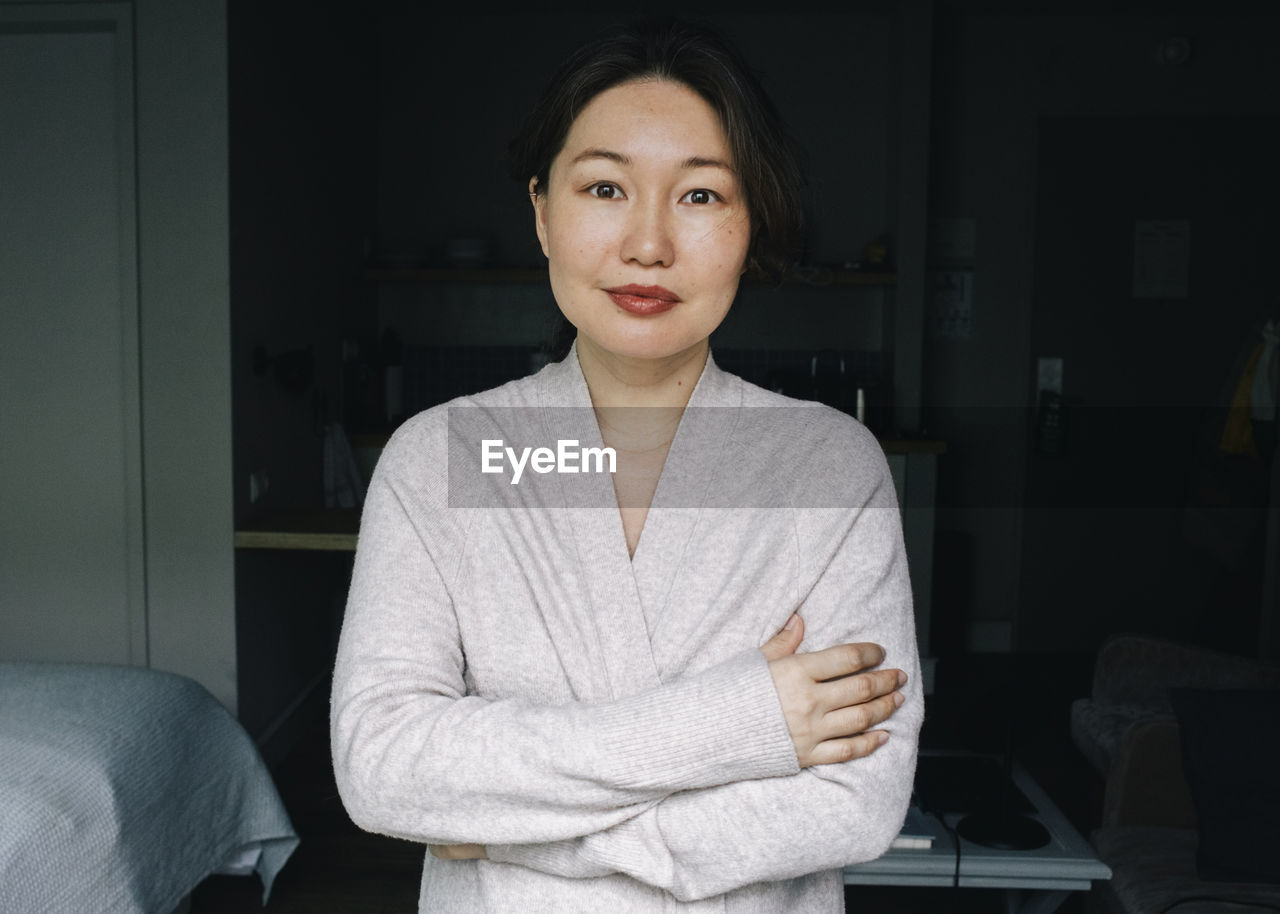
(645, 347)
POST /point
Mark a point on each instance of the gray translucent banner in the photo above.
(748, 457)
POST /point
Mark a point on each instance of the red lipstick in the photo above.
(643, 300)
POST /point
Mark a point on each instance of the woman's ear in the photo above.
(539, 201)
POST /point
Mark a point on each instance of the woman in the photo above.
(557, 682)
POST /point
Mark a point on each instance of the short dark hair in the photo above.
(695, 54)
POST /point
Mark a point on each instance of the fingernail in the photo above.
(902, 678)
(898, 699)
(884, 737)
(791, 623)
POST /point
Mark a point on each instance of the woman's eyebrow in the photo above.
(609, 155)
(595, 152)
(701, 162)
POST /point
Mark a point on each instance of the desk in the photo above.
(1035, 881)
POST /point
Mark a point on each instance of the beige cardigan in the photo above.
(607, 726)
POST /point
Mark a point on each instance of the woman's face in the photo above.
(643, 221)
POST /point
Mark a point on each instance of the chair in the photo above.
(1131, 682)
(1151, 834)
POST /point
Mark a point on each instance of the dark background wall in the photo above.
(377, 131)
(303, 128)
(453, 90)
(1055, 133)
(1130, 503)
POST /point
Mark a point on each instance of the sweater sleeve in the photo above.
(703, 842)
(416, 757)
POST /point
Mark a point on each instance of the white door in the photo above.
(71, 552)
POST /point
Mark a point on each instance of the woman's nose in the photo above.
(648, 239)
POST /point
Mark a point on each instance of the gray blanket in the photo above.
(121, 789)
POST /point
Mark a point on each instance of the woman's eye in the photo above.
(701, 197)
(605, 191)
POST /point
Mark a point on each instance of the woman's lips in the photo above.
(643, 300)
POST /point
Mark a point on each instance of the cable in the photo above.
(955, 842)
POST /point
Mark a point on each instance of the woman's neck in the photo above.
(638, 405)
(616, 381)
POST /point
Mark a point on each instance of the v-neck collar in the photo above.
(629, 594)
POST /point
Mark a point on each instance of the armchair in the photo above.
(1180, 735)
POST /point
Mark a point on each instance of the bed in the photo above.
(121, 789)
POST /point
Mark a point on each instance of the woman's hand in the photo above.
(458, 851)
(829, 704)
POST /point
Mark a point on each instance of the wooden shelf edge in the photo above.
(456, 274)
(315, 542)
(319, 529)
(913, 446)
(841, 278)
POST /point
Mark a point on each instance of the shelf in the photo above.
(518, 275)
(312, 529)
(491, 275)
(815, 277)
(912, 446)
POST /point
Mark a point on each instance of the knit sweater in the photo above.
(606, 725)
